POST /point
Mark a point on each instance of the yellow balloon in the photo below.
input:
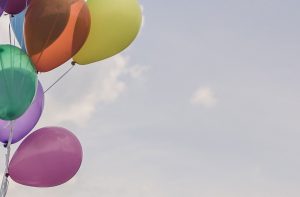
(114, 26)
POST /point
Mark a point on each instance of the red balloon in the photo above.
(55, 31)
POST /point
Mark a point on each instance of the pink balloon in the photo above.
(48, 157)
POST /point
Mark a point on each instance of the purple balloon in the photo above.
(16, 6)
(24, 124)
(47, 157)
(2, 6)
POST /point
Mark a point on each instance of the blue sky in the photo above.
(204, 103)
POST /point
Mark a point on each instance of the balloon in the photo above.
(114, 25)
(17, 23)
(18, 80)
(23, 125)
(55, 30)
(2, 6)
(47, 157)
(16, 6)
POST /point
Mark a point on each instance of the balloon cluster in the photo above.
(49, 33)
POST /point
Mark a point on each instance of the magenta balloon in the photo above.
(16, 6)
(47, 157)
(24, 124)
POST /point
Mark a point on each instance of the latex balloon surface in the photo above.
(16, 6)
(17, 24)
(2, 6)
(18, 81)
(114, 25)
(47, 157)
(55, 30)
(24, 124)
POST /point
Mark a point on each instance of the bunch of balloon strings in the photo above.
(11, 56)
(10, 124)
(49, 33)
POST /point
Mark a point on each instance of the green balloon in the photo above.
(18, 80)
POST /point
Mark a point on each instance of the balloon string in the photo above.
(5, 182)
(61, 77)
(9, 30)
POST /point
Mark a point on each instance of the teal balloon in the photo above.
(17, 23)
(18, 81)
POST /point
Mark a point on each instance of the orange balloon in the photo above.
(55, 31)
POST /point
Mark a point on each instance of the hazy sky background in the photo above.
(205, 103)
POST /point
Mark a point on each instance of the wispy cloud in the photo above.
(137, 71)
(101, 84)
(204, 97)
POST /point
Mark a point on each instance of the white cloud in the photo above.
(137, 72)
(204, 97)
(75, 100)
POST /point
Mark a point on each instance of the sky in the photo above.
(205, 103)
